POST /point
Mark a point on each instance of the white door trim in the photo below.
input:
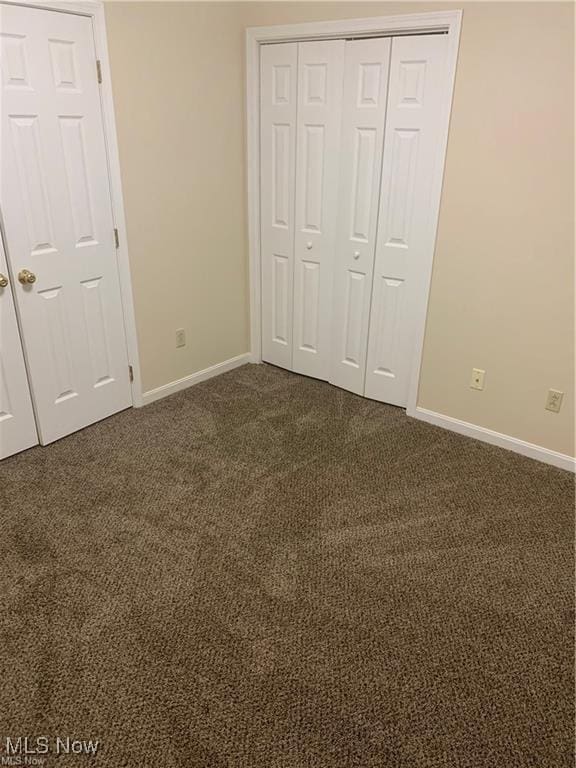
(440, 21)
(95, 10)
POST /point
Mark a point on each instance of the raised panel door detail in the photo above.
(32, 177)
(405, 241)
(315, 84)
(363, 116)
(64, 67)
(17, 426)
(278, 85)
(388, 309)
(369, 84)
(280, 287)
(318, 125)
(55, 326)
(98, 340)
(281, 84)
(14, 62)
(77, 175)
(354, 306)
(57, 208)
(363, 176)
(314, 170)
(280, 175)
(398, 220)
(412, 83)
(310, 292)
(5, 403)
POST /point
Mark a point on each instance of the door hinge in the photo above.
(116, 238)
(99, 70)
(131, 373)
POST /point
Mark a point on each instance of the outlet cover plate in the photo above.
(180, 337)
(477, 380)
(554, 400)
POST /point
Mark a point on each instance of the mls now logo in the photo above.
(22, 760)
(25, 750)
(67, 746)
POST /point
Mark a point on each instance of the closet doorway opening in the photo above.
(347, 134)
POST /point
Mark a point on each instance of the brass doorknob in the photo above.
(3, 281)
(26, 277)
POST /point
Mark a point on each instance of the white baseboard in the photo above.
(194, 378)
(531, 450)
(561, 460)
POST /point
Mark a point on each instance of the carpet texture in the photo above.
(265, 571)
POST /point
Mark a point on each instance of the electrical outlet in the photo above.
(180, 337)
(477, 380)
(554, 400)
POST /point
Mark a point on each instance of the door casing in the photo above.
(94, 9)
(447, 22)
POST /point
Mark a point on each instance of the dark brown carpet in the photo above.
(265, 571)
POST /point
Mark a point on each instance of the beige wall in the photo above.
(178, 95)
(502, 295)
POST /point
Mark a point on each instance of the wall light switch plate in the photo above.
(477, 380)
(554, 400)
(180, 337)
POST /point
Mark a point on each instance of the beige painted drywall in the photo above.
(502, 295)
(178, 95)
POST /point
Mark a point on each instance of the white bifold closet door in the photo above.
(17, 425)
(320, 72)
(57, 214)
(301, 102)
(278, 89)
(405, 226)
(349, 132)
(364, 112)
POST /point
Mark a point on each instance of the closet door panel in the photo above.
(17, 425)
(405, 230)
(320, 76)
(364, 111)
(278, 66)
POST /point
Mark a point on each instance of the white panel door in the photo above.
(405, 228)
(17, 425)
(278, 84)
(57, 214)
(364, 111)
(320, 82)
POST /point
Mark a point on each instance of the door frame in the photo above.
(94, 9)
(448, 22)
